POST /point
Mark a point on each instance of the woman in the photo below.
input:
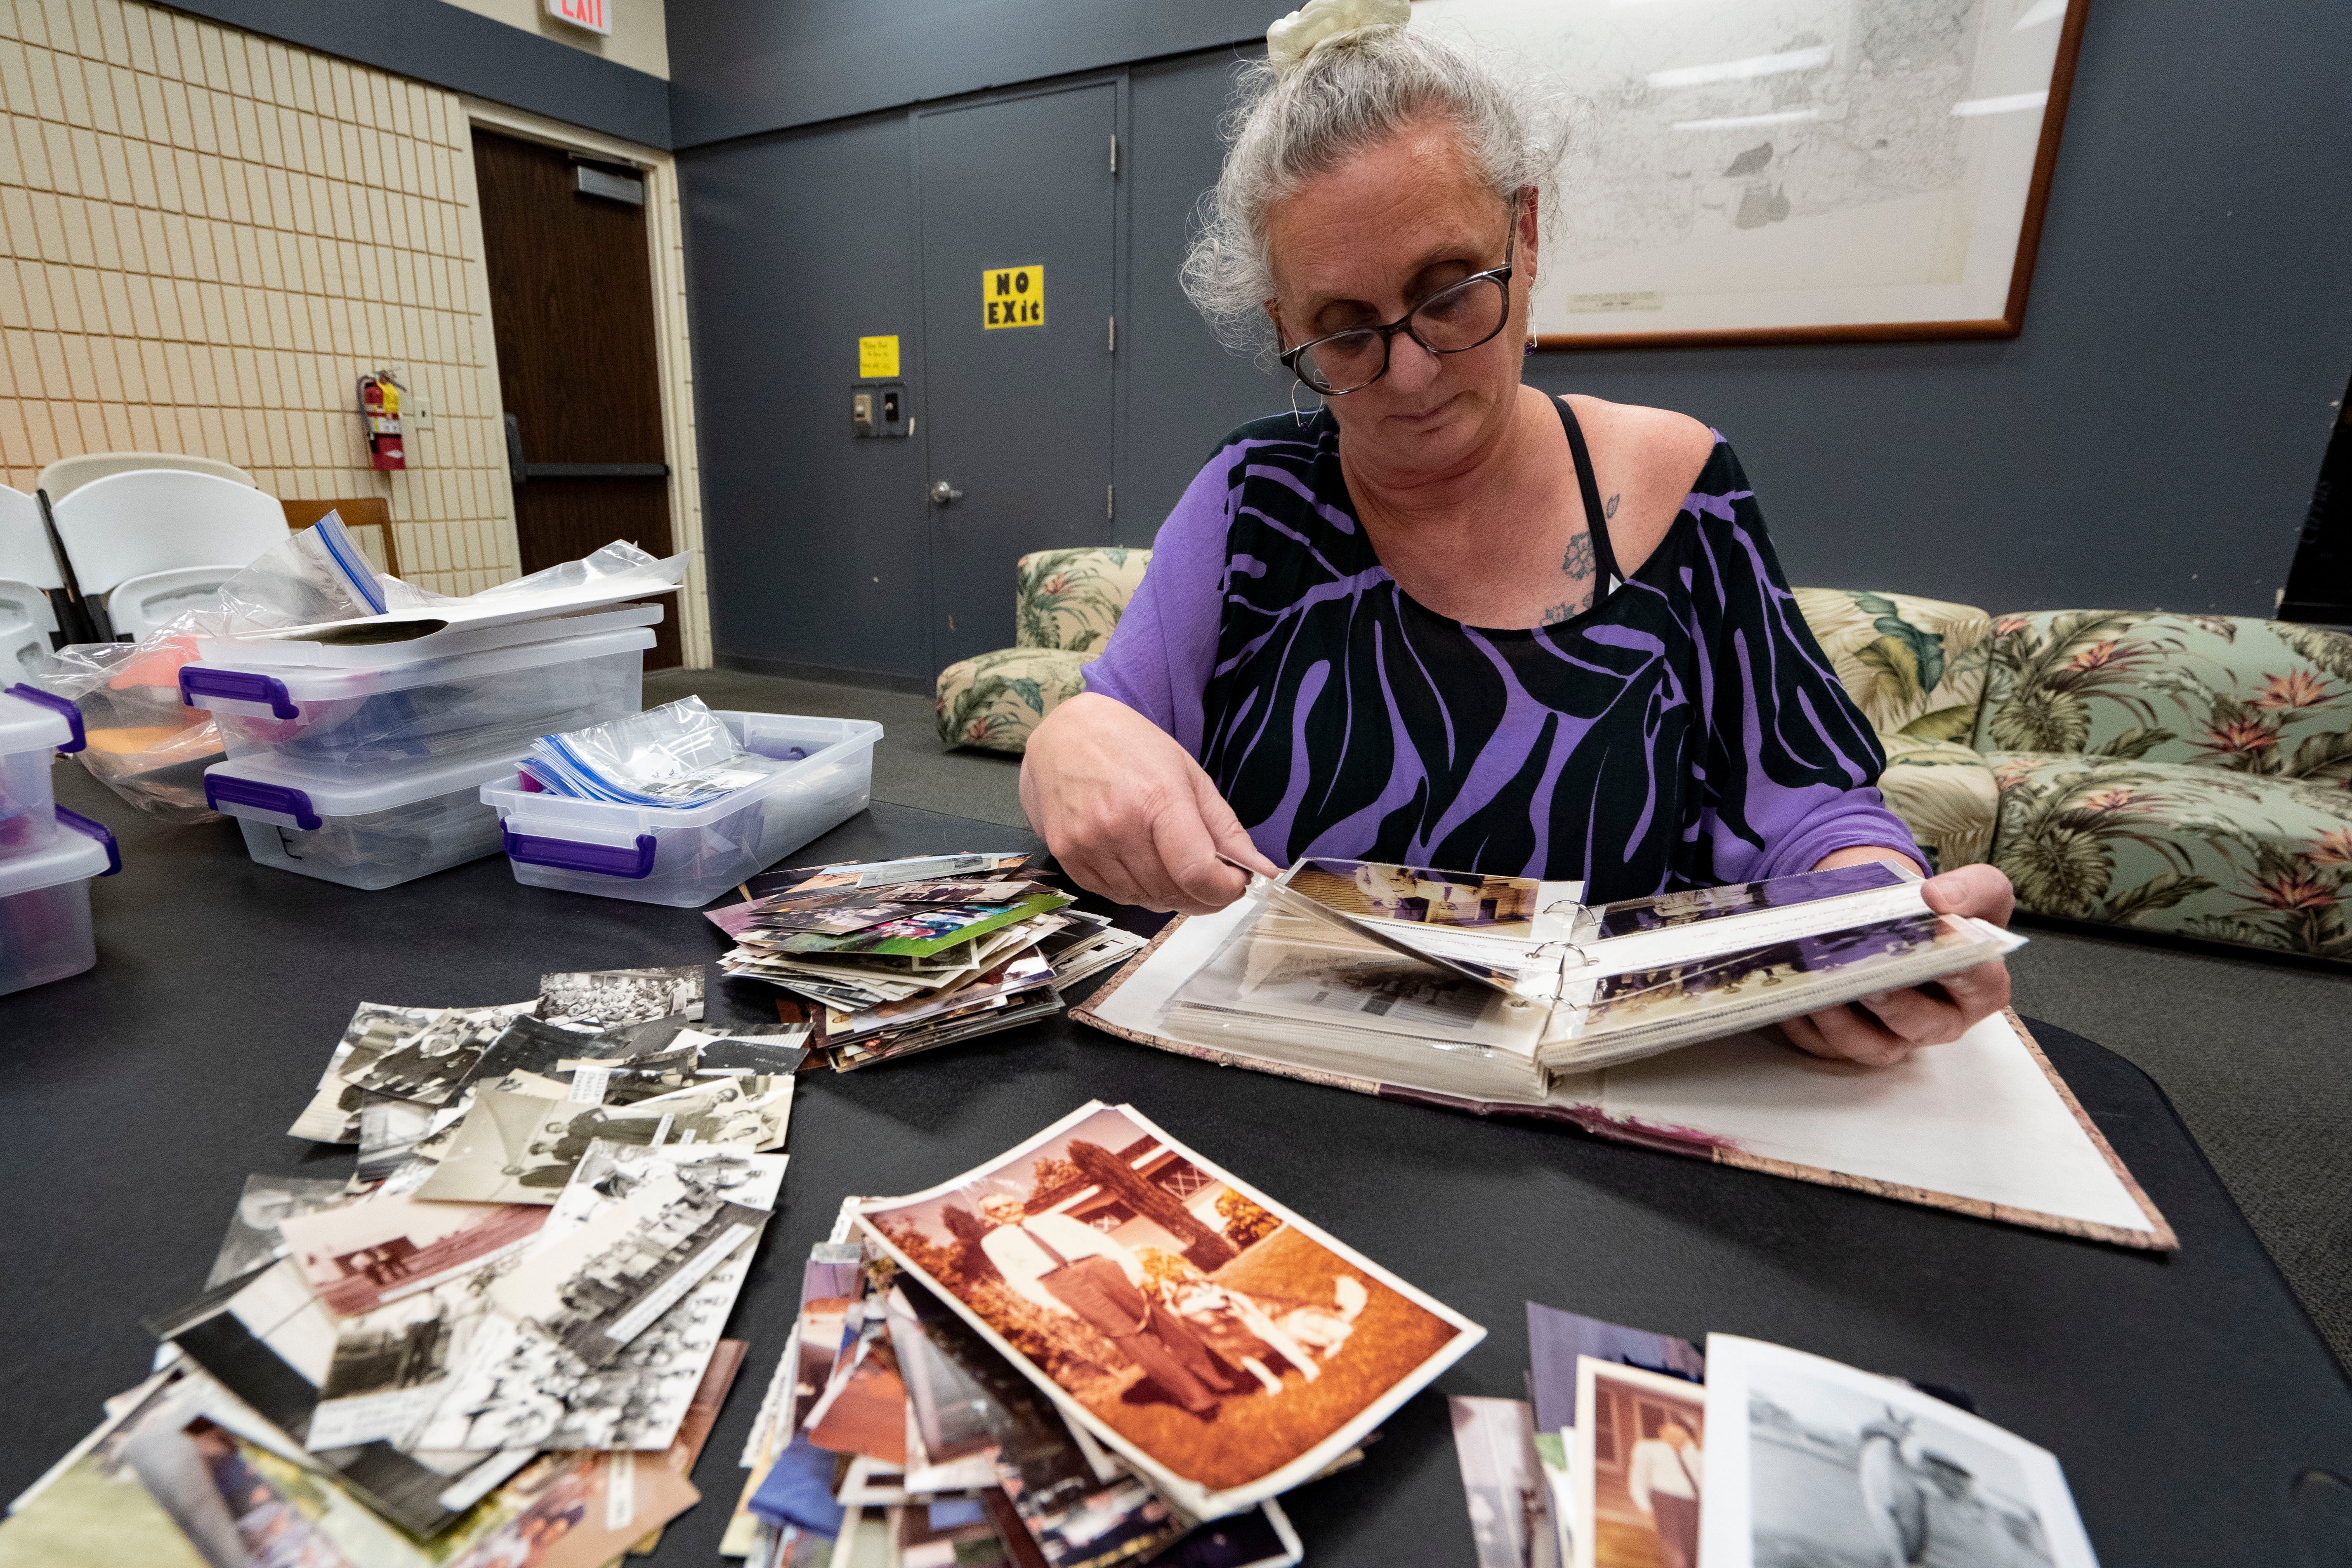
(1447, 620)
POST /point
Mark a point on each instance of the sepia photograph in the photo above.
(1211, 1337)
(363, 1255)
(1640, 1467)
(253, 1237)
(605, 998)
(1498, 906)
(1828, 1465)
(1503, 1483)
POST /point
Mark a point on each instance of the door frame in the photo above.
(1122, 116)
(665, 257)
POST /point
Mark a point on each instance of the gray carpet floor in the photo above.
(2255, 1054)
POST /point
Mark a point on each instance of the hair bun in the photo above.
(1289, 41)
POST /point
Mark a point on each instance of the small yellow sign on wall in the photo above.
(877, 358)
(1012, 297)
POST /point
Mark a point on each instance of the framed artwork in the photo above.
(1789, 171)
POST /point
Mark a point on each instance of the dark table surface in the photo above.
(2189, 1397)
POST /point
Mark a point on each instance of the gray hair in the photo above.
(1291, 123)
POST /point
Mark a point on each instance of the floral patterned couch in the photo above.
(1065, 603)
(2172, 772)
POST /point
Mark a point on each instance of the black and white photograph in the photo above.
(1819, 1463)
(363, 1255)
(333, 1116)
(429, 1065)
(597, 1288)
(253, 1237)
(390, 1366)
(390, 1131)
(1503, 1483)
(602, 998)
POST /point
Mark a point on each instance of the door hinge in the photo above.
(1110, 503)
(1114, 334)
(1114, 155)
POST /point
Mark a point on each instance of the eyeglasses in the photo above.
(1454, 320)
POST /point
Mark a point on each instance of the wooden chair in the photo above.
(368, 519)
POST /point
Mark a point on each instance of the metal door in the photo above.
(1018, 213)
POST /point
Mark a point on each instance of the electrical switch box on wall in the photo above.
(879, 408)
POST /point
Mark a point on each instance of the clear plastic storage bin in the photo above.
(375, 833)
(45, 931)
(34, 727)
(371, 712)
(655, 855)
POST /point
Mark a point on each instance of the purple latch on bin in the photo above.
(219, 789)
(235, 686)
(597, 859)
(40, 698)
(80, 824)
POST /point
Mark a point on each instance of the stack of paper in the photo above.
(1096, 1349)
(900, 956)
(1635, 1448)
(498, 1340)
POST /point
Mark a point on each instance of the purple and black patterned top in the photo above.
(1686, 731)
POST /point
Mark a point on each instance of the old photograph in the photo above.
(390, 1366)
(602, 998)
(1502, 1482)
(253, 1238)
(601, 1285)
(1645, 996)
(1219, 1341)
(333, 1116)
(1630, 917)
(1640, 1467)
(429, 1064)
(522, 1148)
(390, 1131)
(1499, 906)
(363, 1255)
(1823, 1463)
(1556, 1339)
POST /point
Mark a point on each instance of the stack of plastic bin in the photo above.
(362, 762)
(47, 854)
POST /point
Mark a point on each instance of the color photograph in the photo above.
(1641, 1467)
(1499, 906)
(1627, 917)
(1196, 1326)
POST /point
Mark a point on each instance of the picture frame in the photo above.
(1754, 172)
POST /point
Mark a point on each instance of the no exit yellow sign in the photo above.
(1012, 297)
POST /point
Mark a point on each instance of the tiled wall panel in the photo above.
(206, 237)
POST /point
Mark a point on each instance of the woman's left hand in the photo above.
(1883, 1029)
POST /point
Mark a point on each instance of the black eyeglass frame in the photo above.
(1498, 275)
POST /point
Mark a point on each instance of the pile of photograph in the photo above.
(496, 1344)
(1636, 1450)
(888, 958)
(1097, 1348)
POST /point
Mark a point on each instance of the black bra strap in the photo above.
(1596, 522)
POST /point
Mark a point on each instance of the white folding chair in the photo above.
(27, 566)
(67, 475)
(158, 540)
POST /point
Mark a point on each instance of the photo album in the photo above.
(1647, 1020)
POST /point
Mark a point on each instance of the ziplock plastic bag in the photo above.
(678, 754)
(145, 744)
(618, 566)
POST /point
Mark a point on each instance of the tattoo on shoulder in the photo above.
(1577, 562)
(1608, 507)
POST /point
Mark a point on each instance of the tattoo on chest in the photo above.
(1577, 562)
(1567, 612)
(1608, 507)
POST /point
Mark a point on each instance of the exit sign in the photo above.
(593, 14)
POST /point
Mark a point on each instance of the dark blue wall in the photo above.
(2151, 440)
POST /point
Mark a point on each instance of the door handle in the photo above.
(944, 493)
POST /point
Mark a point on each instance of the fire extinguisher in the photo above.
(380, 413)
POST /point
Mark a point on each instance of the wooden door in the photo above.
(572, 308)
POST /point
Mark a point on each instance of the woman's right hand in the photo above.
(1128, 812)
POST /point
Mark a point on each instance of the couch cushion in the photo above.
(1073, 598)
(1945, 795)
(994, 701)
(2178, 846)
(1914, 665)
(2222, 692)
